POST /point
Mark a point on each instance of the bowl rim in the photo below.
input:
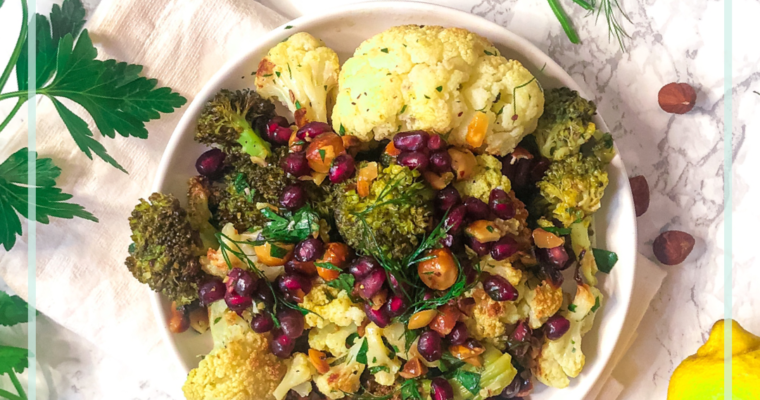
(212, 85)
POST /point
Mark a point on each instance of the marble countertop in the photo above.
(681, 157)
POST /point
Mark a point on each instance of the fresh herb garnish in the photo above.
(342, 130)
(470, 380)
(605, 260)
(289, 27)
(14, 195)
(557, 231)
(361, 356)
(277, 251)
(409, 390)
(13, 360)
(351, 339)
(277, 73)
(596, 306)
(344, 282)
(571, 307)
(217, 319)
(322, 154)
(409, 337)
(288, 227)
(378, 368)
(298, 105)
(403, 109)
(488, 53)
(439, 88)
(384, 50)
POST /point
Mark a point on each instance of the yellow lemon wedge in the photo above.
(700, 376)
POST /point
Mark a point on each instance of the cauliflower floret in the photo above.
(302, 73)
(331, 305)
(377, 357)
(489, 318)
(394, 334)
(215, 264)
(544, 301)
(299, 373)
(582, 247)
(487, 177)
(496, 374)
(342, 378)
(331, 338)
(563, 358)
(443, 80)
(240, 367)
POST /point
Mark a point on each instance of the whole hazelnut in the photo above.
(672, 247)
(677, 98)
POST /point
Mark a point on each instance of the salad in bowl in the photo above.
(419, 224)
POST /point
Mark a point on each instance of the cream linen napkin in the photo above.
(82, 283)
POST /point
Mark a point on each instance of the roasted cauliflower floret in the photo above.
(574, 187)
(331, 305)
(489, 318)
(331, 338)
(544, 301)
(444, 80)
(377, 356)
(582, 249)
(342, 379)
(563, 358)
(487, 176)
(297, 378)
(240, 367)
(496, 374)
(302, 73)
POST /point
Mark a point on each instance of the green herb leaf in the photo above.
(488, 53)
(298, 105)
(13, 310)
(343, 282)
(14, 199)
(403, 109)
(322, 154)
(342, 130)
(571, 307)
(596, 306)
(409, 390)
(217, 319)
(361, 356)
(289, 27)
(470, 380)
(289, 227)
(557, 231)
(439, 88)
(605, 260)
(328, 265)
(277, 73)
(277, 251)
(378, 368)
(351, 339)
(489, 228)
(384, 50)
(13, 359)
(427, 97)
(409, 337)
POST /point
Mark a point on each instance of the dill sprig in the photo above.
(611, 9)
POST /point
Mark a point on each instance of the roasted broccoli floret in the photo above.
(396, 211)
(573, 187)
(565, 125)
(198, 212)
(228, 121)
(603, 147)
(165, 249)
(302, 73)
(246, 184)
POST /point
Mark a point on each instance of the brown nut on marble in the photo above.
(672, 247)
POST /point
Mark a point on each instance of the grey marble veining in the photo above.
(681, 157)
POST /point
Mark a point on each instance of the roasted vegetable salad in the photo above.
(395, 248)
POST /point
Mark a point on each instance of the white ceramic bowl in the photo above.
(343, 29)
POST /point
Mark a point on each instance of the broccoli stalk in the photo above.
(227, 121)
(198, 211)
(165, 249)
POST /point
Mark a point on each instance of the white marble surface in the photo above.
(681, 157)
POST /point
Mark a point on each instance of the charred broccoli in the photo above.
(246, 184)
(565, 125)
(602, 147)
(397, 210)
(228, 121)
(165, 249)
(198, 212)
(573, 187)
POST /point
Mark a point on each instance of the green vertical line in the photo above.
(32, 218)
(727, 193)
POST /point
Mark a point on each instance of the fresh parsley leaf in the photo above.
(409, 390)
(14, 199)
(298, 105)
(343, 282)
(427, 97)
(289, 27)
(571, 307)
(488, 53)
(322, 154)
(277, 251)
(392, 350)
(409, 336)
(342, 130)
(277, 72)
(361, 356)
(13, 359)
(605, 260)
(470, 380)
(597, 304)
(557, 231)
(327, 265)
(439, 88)
(13, 310)
(384, 50)
(351, 339)
(403, 109)
(378, 368)
(289, 227)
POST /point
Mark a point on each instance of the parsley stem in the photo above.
(17, 384)
(21, 94)
(564, 21)
(584, 4)
(4, 394)
(13, 112)
(19, 46)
